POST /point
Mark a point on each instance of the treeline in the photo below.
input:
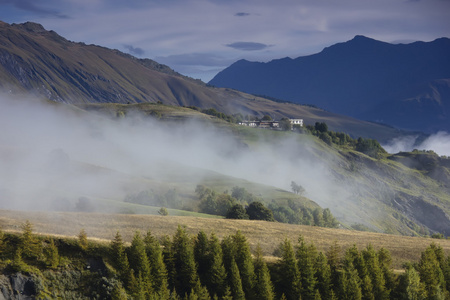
(369, 147)
(235, 118)
(241, 204)
(204, 267)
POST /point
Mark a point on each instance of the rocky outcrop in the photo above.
(17, 287)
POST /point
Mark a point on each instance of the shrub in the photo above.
(257, 211)
(237, 211)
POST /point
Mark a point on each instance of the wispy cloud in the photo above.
(35, 7)
(134, 50)
(438, 142)
(242, 14)
(247, 46)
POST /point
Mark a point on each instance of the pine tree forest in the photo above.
(202, 266)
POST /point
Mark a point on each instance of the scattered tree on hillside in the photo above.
(163, 211)
(297, 188)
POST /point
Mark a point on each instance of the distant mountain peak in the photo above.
(361, 38)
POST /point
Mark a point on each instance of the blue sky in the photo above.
(199, 38)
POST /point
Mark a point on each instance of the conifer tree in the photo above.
(18, 265)
(137, 286)
(446, 271)
(169, 262)
(244, 262)
(200, 291)
(29, 244)
(119, 258)
(306, 256)
(201, 253)
(118, 293)
(227, 294)
(317, 295)
(431, 274)
(351, 284)
(228, 251)
(367, 288)
(2, 242)
(440, 256)
(354, 258)
(158, 269)
(82, 240)
(375, 273)
(184, 262)
(334, 261)
(217, 275)
(415, 289)
(140, 264)
(323, 276)
(290, 278)
(235, 282)
(263, 284)
(52, 255)
(385, 260)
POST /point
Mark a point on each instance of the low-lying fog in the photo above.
(439, 143)
(51, 155)
(42, 146)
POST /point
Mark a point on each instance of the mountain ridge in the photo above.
(352, 78)
(40, 62)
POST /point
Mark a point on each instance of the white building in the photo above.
(296, 122)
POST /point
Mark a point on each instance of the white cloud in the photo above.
(438, 142)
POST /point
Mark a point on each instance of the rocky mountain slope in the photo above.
(40, 62)
(403, 85)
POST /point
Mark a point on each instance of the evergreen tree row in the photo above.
(203, 267)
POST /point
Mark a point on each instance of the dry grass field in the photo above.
(267, 234)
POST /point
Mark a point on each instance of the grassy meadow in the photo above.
(268, 235)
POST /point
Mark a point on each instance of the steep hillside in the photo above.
(40, 62)
(363, 78)
(389, 194)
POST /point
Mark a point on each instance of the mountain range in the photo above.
(36, 61)
(403, 85)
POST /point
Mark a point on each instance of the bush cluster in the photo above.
(243, 205)
(369, 147)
